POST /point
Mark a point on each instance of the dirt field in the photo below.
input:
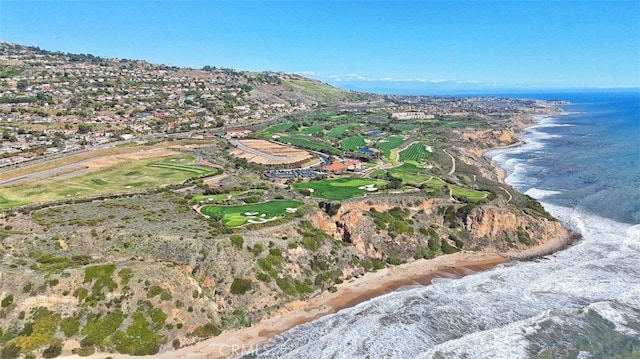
(269, 153)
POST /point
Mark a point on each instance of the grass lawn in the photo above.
(234, 216)
(124, 177)
(339, 189)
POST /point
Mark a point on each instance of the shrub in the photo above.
(240, 286)
(6, 301)
(83, 352)
(125, 275)
(70, 326)
(52, 351)
(154, 291)
(257, 249)
(264, 277)
(376, 263)
(448, 248)
(393, 260)
(237, 240)
(302, 287)
(10, 351)
(312, 243)
(207, 330)
(286, 286)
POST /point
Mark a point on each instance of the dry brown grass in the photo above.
(285, 154)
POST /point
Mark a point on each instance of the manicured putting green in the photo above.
(234, 216)
(342, 188)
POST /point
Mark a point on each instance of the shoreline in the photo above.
(241, 341)
(235, 342)
(421, 272)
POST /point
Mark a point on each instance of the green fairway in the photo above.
(470, 195)
(339, 189)
(416, 152)
(312, 130)
(234, 216)
(387, 144)
(352, 143)
(338, 131)
(410, 173)
(435, 183)
(281, 127)
(124, 177)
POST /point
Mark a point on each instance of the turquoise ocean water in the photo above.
(583, 302)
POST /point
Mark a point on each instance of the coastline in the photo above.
(241, 341)
(235, 342)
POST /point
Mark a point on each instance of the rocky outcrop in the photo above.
(507, 229)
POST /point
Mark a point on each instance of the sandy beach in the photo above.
(236, 342)
(350, 293)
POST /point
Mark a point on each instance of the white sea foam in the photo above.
(511, 311)
(492, 314)
(539, 193)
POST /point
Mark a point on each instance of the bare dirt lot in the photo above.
(269, 153)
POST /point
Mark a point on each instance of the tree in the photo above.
(22, 85)
(84, 128)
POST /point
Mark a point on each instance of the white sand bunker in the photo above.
(251, 213)
(369, 187)
(291, 210)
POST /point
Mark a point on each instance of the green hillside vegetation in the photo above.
(281, 127)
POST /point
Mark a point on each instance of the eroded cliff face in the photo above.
(491, 227)
(507, 230)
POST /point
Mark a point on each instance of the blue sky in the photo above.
(358, 44)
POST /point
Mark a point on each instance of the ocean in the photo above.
(583, 302)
